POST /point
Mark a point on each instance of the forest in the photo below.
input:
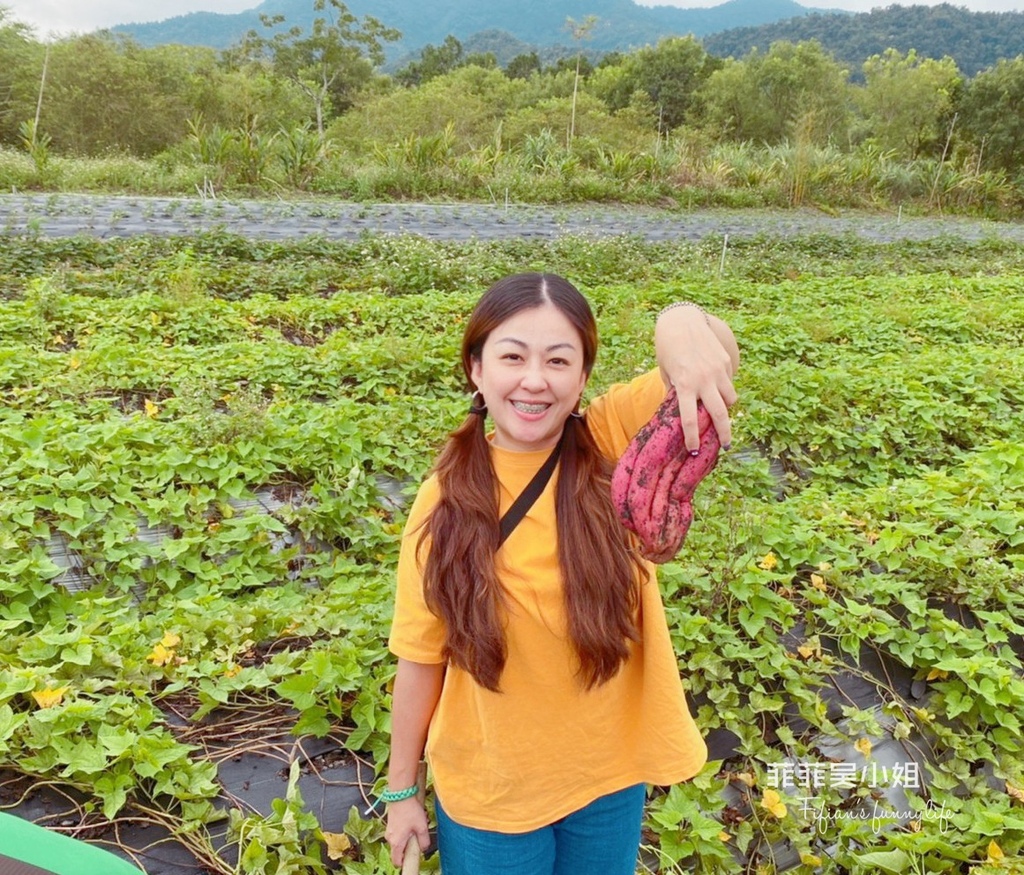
(976, 40)
(311, 110)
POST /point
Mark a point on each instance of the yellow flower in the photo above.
(863, 746)
(160, 655)
(769, 562)
(773, 804)
(163, 650)
(49, 697)
(995, 853)
(818, 582)
(152, 408)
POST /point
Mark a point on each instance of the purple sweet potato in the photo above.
(654, 481)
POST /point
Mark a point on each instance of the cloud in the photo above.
(62, 17)
(860, 5)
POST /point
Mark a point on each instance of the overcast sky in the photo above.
(54, 17)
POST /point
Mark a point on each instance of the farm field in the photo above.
(208, 440)
(64, 214)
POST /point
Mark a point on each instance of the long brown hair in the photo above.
(600, 570)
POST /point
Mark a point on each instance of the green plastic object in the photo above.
(29, 849)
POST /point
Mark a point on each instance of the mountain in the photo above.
(621, 24)
(975, 40)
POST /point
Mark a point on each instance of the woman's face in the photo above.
(530, 373)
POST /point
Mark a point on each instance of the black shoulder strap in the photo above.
(531, 493)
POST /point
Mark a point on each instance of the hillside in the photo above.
(622, 24)
(975, 40)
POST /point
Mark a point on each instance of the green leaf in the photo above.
(9, 722)
(896, 861)
(116, 740)
(86, 757)
(113, 789)
(80, 654)
(313, 722)
(175, 547)
(298, 689)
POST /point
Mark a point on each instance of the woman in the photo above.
(539, 672)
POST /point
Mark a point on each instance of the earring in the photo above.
(478, 408)
(576, 414)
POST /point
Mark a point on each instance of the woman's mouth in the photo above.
(524, 407)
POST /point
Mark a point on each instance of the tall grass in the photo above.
(539, 167)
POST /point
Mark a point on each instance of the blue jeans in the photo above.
(601, 838)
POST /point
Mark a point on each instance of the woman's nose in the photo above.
(533, 378)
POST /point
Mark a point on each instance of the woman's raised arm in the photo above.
(698, 354)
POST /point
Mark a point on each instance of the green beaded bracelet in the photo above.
(399, 795)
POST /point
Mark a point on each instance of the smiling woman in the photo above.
(531, 375)
(537, 669)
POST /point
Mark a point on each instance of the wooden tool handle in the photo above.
(411, 861)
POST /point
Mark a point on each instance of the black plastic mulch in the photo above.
(253, 751)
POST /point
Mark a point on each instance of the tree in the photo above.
(580, 31)
(21, 63)
(434, 61)
(671, 74)
(475, 100)
(570, 64)
(107, 93)
(907, 100)
(523, 66)
(329, 63)
(487, 60)
(990, 116)
(791, 91)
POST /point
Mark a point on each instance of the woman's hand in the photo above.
(698, 355)
(406, 819)
(413, 699)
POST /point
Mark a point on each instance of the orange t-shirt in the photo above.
(544, 747)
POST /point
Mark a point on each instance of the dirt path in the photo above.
(61, 215)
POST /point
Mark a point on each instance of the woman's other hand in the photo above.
(406, 819)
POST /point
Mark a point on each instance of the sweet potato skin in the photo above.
(655, 480)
